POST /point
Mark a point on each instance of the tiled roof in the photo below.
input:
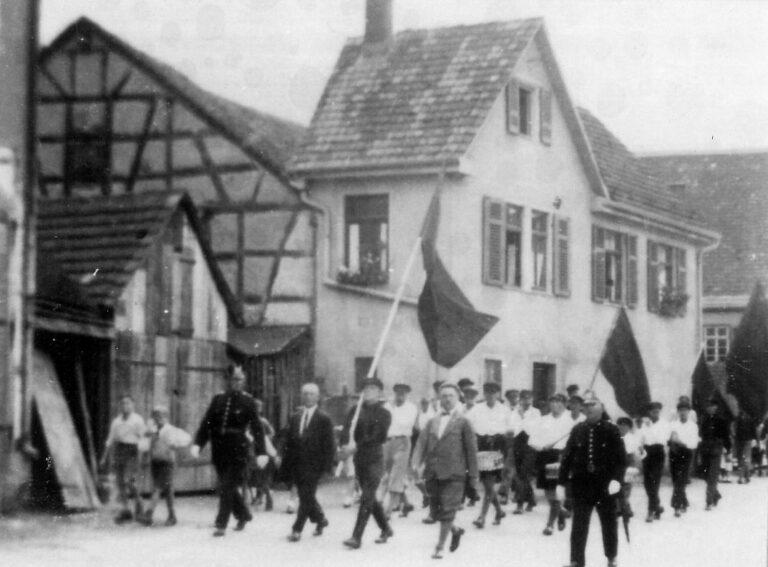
(260, 341)
(730, 192)
(268, 139)
(418, 101)
(628, 178)
(99, 242)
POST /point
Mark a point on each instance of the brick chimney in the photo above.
(378, 20)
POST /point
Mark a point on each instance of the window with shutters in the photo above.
(492, 371)
(614, 266)
(539, 249)
(667, 273)
(561, 256)
(521, 106)
(525, 97)
(545, 116)
(366, 222)
(716, 342)
(87, 146)
(362, 366)
(502, 240)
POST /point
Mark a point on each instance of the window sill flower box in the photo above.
(673, 303)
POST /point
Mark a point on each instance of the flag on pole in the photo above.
(747, 360)
(704, 388)
(449, 323)
(622, 366)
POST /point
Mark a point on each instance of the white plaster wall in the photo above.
(535, 326)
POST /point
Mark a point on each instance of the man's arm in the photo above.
(329, 443)
(469, 439)
(257, 429)
(567, 457)
(618, 454)
(421, 446)
(203, 434)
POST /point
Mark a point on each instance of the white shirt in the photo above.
(488, 420)
(424, 416)
(655, 433)
(306, 417)
(166, 440)
(551, 431)
(403, 419)
(528, 419)
(127, 430)
(444, 419)
(687, 433)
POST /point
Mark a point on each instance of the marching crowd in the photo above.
(456, 450)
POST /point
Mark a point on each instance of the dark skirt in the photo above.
(544, 458)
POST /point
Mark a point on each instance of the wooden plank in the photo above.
(77, 487)
(211, 168)
(81, 394)
(139, 154)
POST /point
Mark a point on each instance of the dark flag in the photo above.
(747, 360)
(704, 388)
(622, 366)
(449, 323)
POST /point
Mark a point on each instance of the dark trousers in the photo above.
(525, 463)
(652, 468)
(309, 507)
(369, 477)
(711, 454)
(585, 498)
(679, 464)
(231, 478)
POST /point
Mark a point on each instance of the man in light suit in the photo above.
(447, 449)
(309, 452)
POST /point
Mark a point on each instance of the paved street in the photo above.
(733, 535)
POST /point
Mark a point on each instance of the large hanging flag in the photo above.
(747, 360)
(449, 322)
(622, 366)
(704, 388)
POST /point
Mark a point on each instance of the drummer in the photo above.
(549, 439)
(492, 422)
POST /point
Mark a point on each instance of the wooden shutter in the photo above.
(493, 241)
(653, 279)
(186, 325)
(680, 270)
(561, 264)
(632, 292)
(598, 263)
(6, 243)
(545, 116)
(513, 107)
(165, 320)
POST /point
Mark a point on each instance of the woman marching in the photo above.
(549, 439)
(492, 422)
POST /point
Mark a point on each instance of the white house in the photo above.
(547, 220)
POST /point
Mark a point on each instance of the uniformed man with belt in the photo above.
(594, 461)
(231, 424)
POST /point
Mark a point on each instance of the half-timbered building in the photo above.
(115, 121)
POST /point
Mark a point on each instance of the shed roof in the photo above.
(417, 100)
(730, 192)
(101, 241)
(268, 139)
(628, 178)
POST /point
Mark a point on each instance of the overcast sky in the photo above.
(664, 76)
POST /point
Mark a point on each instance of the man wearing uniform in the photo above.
(368, 425)
(231, 424)
(594, 462)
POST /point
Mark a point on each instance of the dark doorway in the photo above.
(544, 383)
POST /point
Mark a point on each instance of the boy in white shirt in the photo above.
(683, 440)
(632, 449)
(655, 435)
(164, 440)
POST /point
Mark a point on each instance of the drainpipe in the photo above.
(700, 290)
(325, 224)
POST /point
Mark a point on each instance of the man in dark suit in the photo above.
(231, 424)
(594, 462)
(364, 435)
(715, 438)
(309, 452)
(447, 448)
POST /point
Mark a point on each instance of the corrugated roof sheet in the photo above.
(628, 179)
(730, 192)
(259, 341)
(270, 139)
(420, 101)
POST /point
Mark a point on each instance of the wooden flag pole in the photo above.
(605, 346)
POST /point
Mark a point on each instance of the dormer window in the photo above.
(521, 111)
(524, 98)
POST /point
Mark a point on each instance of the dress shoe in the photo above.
(438, 554)
(613, 563)
(649, 518)
(718, 496)
(500, 515)
(294, 537)
(708, 508)
(171, 521)
(572, 564)
(547, 530)
(479, 523)
(321, 525)
(219, 532)
(407, 509)
(352, 543)
(425, 501)
(657, 514)
(456, 534)
(519, 510)
(429, 520)
(145, 519)
(123, 516)
(530, 506)
(241, 523)
(678, 513)
(384, 535)
(561, 521)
